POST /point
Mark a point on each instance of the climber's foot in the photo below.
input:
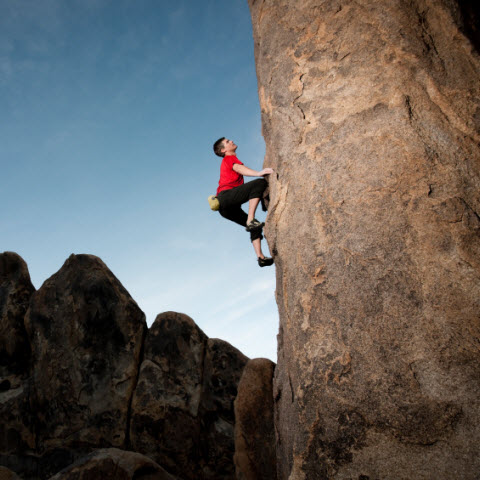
(254, 225)
(265, 262)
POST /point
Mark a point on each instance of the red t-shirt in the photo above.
(229, 178)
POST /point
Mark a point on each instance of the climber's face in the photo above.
(229, 147)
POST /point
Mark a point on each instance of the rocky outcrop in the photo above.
(254, 429)
(371, 117)
(15, 292)
(86, 334)
(114, 464)
(183, 405)
(16, 426)
(7, 474)
(82, 372)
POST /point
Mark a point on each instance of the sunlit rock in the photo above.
(371, 117)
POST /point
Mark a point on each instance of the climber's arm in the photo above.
(248, 172)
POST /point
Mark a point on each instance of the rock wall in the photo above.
(17, 422)
(254, 430)
(371, 118)
(82, 380)
(182, 410)
(86, 334)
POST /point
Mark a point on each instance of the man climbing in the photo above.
(232, 192)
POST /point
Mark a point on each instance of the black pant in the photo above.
(231, 201)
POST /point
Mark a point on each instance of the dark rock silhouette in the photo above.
(15, 292)
(183, 405)
(370, 113)
(86, 374)
(254, 429)
(7, 474)
(86, 334)
(114, 464)
(17, 424)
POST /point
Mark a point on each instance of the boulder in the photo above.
(165, 405)
(254, 429)
(222, 371)
(72, 353)
(113, 464)
(182, 410)
(86, 334)
(15, 292)
(371, 118)
(17, 431)
(7, 474)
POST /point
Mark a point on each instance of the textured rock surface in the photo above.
(114, 464)
(16, 425)
(68, 381)
(183, 405)
(371, 117)
(254, 429)
(15, 292)
(6, 474)
(86, 334)
(222, 371)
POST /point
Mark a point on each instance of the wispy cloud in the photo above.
(240, 300)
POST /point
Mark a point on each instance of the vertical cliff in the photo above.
(371, 118)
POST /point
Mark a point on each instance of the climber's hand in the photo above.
(266, 171)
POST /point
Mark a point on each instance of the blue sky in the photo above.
(108, 113)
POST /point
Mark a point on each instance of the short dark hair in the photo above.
(218, 146)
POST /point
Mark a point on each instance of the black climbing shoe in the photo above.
(265, 262)
(254, 225)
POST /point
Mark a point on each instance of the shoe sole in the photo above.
(267, 264)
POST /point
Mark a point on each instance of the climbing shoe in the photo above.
(265, 262)
(254, 225)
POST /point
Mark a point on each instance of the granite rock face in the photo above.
(254, 429)
(183, 405)
(371, 117)
(86, 334)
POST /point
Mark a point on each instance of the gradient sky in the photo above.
(108, 113)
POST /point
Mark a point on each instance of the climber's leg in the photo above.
(234, 213)
(257, 246)
(256, 237)
(250, 192)
(252, 208)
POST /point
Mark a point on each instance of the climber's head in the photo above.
(218, 146)
(223, 147)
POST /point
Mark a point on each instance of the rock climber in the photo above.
(232, 192)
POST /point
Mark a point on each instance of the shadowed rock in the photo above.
(183, 405)
(165, 406)
(6, 474)
(223, 369)
(114, 464)
(15, 292)
(86, 334)
(69, 378)
(16, 426)
(371, 117)
(254, 429)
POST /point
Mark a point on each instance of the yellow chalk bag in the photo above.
(213, 202)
